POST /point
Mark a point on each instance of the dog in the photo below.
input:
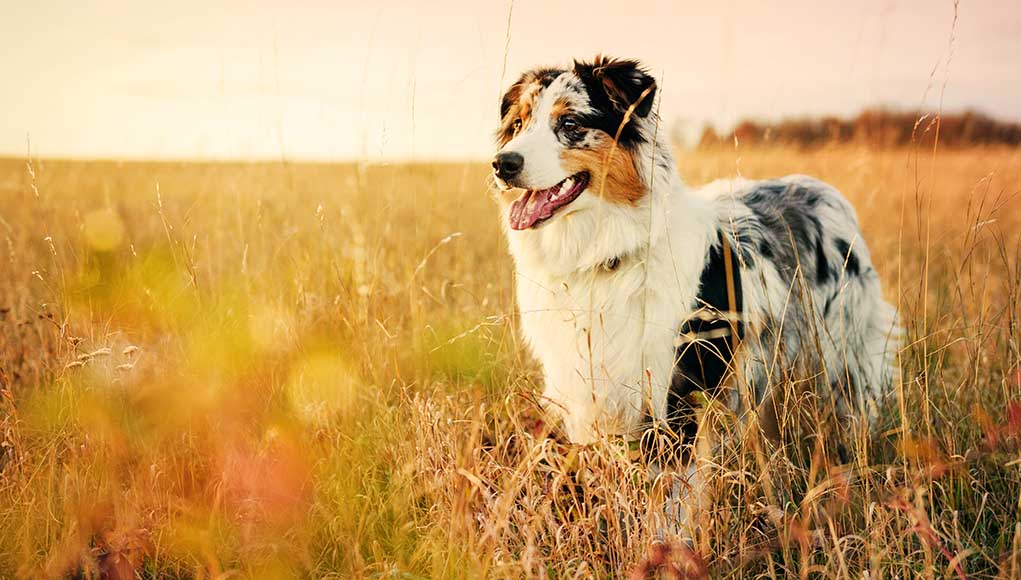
(636, 292)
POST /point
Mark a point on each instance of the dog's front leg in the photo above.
(686, 482)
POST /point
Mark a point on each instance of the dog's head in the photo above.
(569, 141)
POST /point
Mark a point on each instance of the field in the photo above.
(287, 370)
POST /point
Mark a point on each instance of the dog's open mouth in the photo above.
(537, 206)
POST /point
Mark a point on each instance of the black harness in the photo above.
(707, 341)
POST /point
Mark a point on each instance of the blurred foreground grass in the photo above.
(289, 370)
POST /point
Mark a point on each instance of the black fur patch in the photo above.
(822, 265)
(546, 76)
(852, 268)
(704, 365)
(612, 87)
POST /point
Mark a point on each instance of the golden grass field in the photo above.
(285, 370)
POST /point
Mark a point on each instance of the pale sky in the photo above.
(400, 79)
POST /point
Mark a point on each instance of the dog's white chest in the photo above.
(605, 344)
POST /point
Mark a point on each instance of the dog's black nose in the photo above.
(508, 165)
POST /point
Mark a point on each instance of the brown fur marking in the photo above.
(523, 95)
(560, 108)
(621, 184)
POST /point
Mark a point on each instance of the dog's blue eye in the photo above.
(568, 124)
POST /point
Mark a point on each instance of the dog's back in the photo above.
(812, 300)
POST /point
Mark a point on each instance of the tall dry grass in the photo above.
(285, 370)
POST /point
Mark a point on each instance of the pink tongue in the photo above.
(531, 207)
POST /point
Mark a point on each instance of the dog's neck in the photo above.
(608, 236)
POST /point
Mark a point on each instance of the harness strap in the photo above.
(732, 305)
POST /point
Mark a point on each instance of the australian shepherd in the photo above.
(637, 292)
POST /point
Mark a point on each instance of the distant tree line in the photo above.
(878, 127)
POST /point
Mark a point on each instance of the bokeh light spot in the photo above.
(104, 230)
(322, 386)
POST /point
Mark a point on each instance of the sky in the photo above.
(396, 79)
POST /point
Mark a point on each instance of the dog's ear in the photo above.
(624, 83)
(511, 96)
